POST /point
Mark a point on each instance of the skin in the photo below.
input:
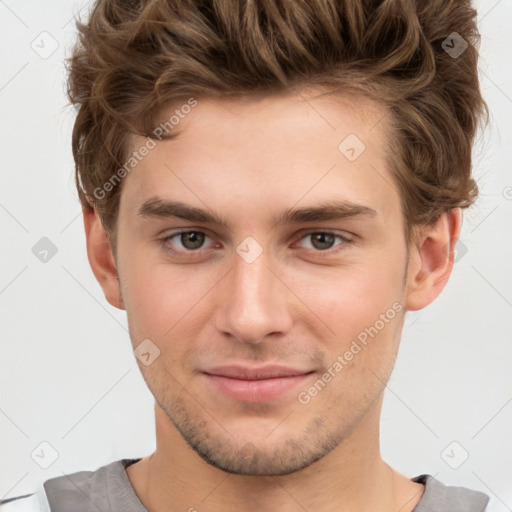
(296, 305)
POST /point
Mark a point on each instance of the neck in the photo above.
(353, 476)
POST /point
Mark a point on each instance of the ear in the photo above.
(101, 258)
(431, 260)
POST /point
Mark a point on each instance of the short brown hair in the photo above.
(134, 57)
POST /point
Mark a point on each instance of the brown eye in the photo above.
(192, 239)
(185, 242)
(324, 241)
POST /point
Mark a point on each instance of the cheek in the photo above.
(361, 304)
(347, 299)
(161, 299)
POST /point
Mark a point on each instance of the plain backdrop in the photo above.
(67, 373)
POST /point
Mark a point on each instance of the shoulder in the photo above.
(443, 498)
(82, 491)
(34, 502)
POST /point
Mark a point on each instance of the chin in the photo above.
(250, 455)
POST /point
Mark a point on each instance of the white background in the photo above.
(67, 373)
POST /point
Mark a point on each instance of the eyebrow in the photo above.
(156, 207)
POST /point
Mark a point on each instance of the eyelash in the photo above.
(182, 253)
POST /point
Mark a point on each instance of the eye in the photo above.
(187, 241)
(324, 240)
(193, 241)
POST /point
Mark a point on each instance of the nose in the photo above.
(253, 301)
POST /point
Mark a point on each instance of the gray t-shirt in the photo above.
(108, 489)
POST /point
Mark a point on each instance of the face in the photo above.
(277, 311)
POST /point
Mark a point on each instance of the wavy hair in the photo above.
(133, 57)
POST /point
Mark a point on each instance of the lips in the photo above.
(255, 384)
(264, 372)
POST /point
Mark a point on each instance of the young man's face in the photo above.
(323, 299)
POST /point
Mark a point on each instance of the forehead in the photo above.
(277, 150)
